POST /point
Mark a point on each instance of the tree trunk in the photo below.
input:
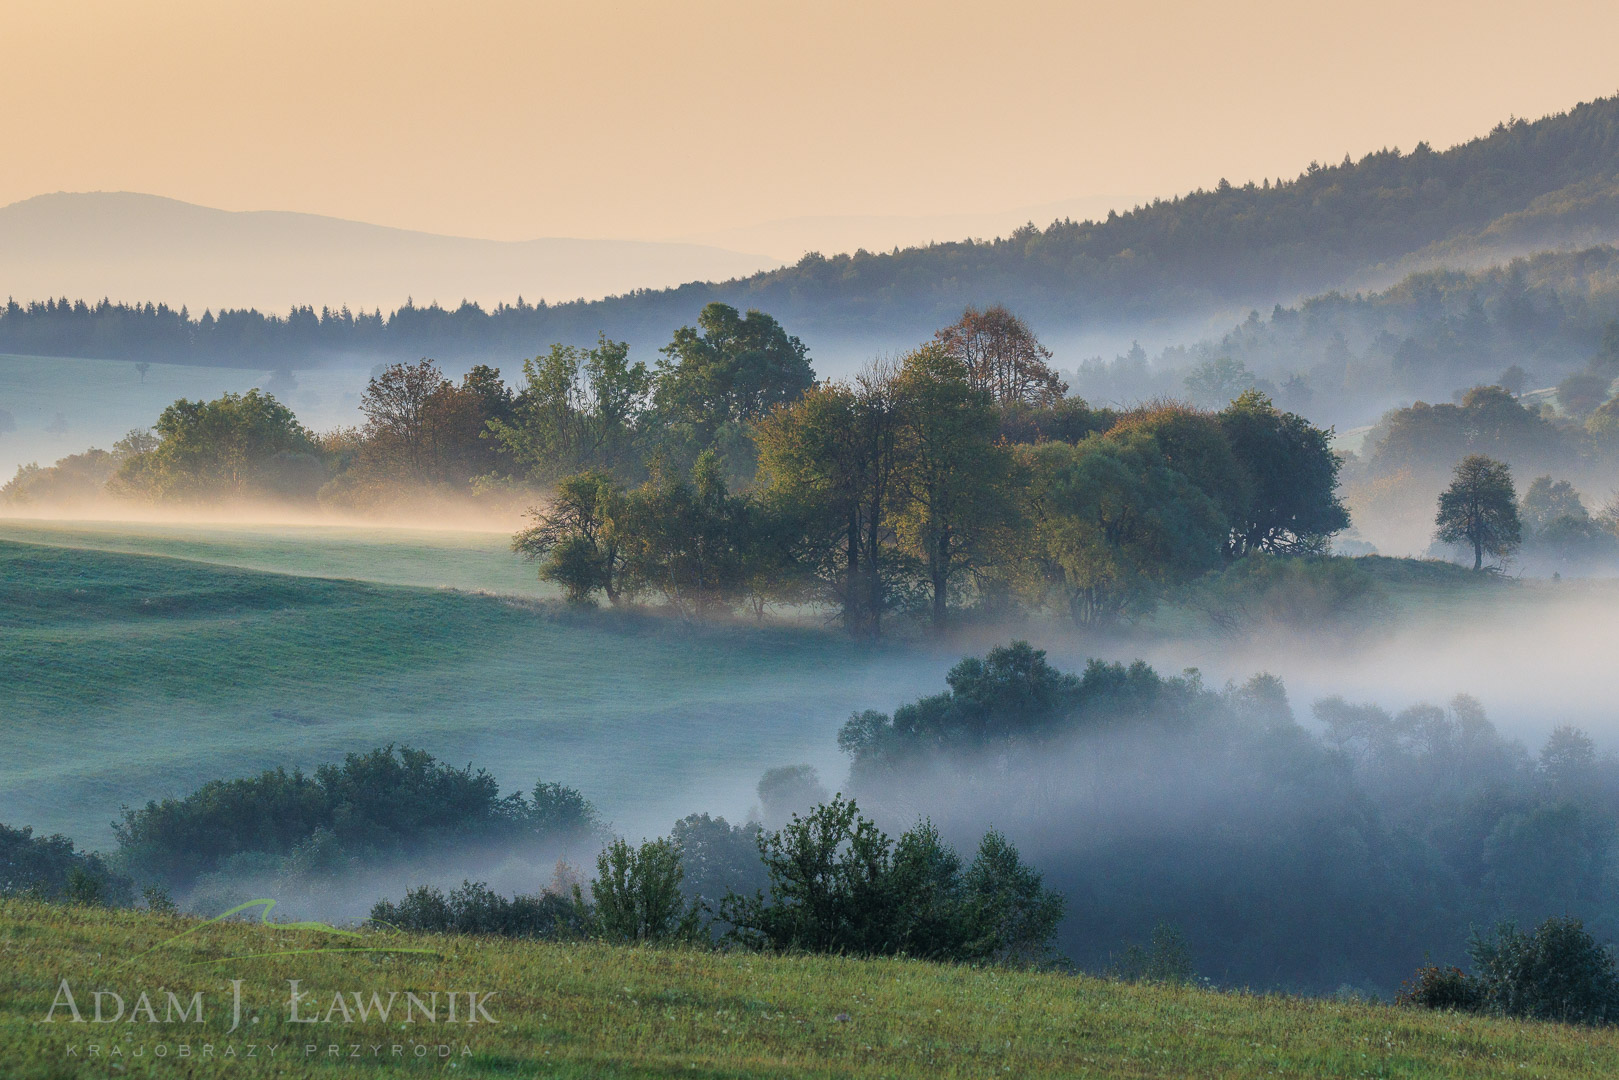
(851, 582)
(1478, 554)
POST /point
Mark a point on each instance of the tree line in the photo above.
(727, 477)
(957, 473)
(1232, 243)
(1129, 806)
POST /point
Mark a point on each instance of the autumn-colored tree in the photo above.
(1002, 356)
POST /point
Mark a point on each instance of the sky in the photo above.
(718, 121)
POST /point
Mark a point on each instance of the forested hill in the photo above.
(1525, 183)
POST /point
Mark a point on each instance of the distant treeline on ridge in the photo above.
(1247, 244)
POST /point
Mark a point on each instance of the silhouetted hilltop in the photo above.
(1524, 186)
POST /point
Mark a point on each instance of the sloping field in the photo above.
(129, 677)
(587, 1010)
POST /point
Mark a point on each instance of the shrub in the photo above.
(839, 885)
(385, 802)
(48, 867)
(1450, 989)
(476, 909)
(637, 895)
(1557, 971)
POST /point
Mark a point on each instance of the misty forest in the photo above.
(1215, 594)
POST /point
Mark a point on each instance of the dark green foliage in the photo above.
(1557, 971)
(1011, 697)
(716, 858)
(1115, 524)
(1480, 509)
(577, 538)
(578, 409)
(386, 803)
(838, 884)
(687, 541)
(727, 371)
(474, 908)
(690, 542)
(1445, 989)
(1293, 504)
(637, 897)
(236, 445)
(557, 810)
(49, 867)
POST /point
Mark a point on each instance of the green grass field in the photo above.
(471, 561)
(139, 660)
(589, 1010)
(128, 677)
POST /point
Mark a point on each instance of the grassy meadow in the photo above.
(463, 559)
(125, 677)
(138, 660)
(591, 1010)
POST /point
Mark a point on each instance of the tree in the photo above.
(1480, 508)
(1114, 525)
(838, 884)
(685, 540)
(1217, 382)
(577, 538)
(395, 404)
(1002, 357)
(1582, 392)
(789, 789)
(830, 459)
(1293, 474)
(951, 478)
(236, 445)
(578, 409)
(727, 371)
(637, 894)
(1548, 500)
(423, 428)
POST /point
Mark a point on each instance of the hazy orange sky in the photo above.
(657, 120)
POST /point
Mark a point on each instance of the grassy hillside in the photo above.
(599, 1011)
(125, 677)
(460, 559)
(129, 677)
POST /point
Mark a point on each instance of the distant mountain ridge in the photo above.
(134, 247)
(1523, 187)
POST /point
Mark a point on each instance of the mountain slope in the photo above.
(129, 246)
